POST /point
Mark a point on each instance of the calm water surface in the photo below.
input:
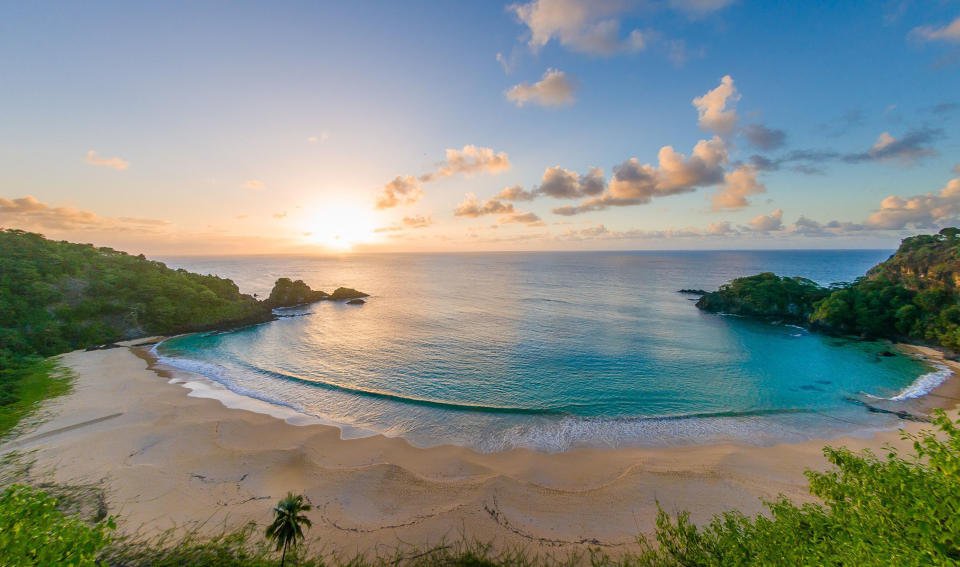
(547, 350)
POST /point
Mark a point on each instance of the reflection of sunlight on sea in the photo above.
(548, 351)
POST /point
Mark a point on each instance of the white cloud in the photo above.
(918, 211)
(554, 89)
(515, 193)
(471, 160)
(949, 33)
(768, 223)
(634, 183)
(112, 163)
(737, 186)
(403, 190)
(586, 26)
(712, 107)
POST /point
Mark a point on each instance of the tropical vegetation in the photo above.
(289, 519)
(913, 296)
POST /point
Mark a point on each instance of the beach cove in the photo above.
(167, 459)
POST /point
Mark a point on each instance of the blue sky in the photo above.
(256, 127)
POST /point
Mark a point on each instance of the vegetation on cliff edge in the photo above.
(914, 296)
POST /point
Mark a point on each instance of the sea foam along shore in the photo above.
(170, 460)
(563, 433)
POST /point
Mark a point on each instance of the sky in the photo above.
(287, 127)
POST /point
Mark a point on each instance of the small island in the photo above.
(288, 293)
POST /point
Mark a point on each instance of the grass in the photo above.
(34, 382)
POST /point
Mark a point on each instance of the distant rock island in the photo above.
(913, 296)
(287, 293)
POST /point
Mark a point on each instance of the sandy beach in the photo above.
(168, 459)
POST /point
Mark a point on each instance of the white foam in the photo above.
(925, 383)
(210, 381)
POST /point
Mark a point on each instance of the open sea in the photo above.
(549, 350)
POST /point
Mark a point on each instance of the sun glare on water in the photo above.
(340, 226)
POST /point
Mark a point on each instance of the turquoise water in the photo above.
(547, 351)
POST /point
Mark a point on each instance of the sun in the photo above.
(340, 226)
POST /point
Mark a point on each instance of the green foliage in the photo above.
(766, 295)
(912, 296)
(34, 532)
(892, 511)
(24, 385)
(59, 296)
(289, 519)
(241, 547)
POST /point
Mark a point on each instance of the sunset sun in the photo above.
(340, 226)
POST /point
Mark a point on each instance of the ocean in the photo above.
(549, 350)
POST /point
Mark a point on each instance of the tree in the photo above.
(287, 524)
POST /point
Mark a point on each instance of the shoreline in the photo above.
(911, 403)
(170, 458)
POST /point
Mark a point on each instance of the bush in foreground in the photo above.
(34, 532)
(893, 511)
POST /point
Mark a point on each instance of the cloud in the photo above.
(253, 184)
(31, 214)
(914, 145)
(515, 193)
(699, 8)
(764, 138)
(280, 215)
(601, 232)
(945, 107)
(554, 89)
(634, 183)
(560, 183)
(529, 219)
(470, 160)
(417, 221)
(713, 111)
(918, 211)
(470, 207)
(113, 163)
(403, 190)
(956, 169)
(507, 62)
(737, 186)
(949, 33)
(842, 124)
(585, 26)
(768, 223)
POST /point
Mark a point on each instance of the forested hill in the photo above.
(58, 296)
(924, 262)
(914, 295)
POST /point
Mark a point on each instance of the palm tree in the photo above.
(287, 521)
